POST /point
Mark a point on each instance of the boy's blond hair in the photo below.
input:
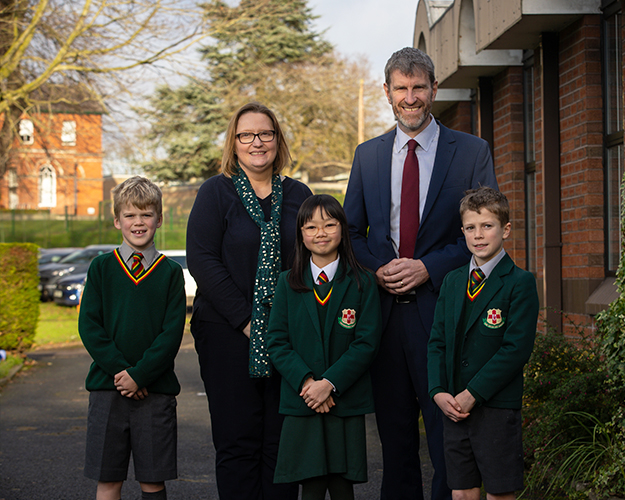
(137, 191)
(485, 197)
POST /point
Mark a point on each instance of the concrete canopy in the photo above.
(469, 39)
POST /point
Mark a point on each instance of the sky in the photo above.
(376, 28)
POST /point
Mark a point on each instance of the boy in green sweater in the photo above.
(132, 316)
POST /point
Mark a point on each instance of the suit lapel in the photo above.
(491, 288)
(444, 154)
(311, 303)
(384, 160)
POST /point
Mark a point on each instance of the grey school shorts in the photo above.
(486, 448)
(117, 426)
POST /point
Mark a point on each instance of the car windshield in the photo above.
(73, 258)
(83, 256)
(48, 258)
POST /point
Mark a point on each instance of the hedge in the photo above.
(19, 297)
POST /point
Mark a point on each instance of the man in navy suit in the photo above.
(411, 251)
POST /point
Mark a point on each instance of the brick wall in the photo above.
(458, 117)
(509, 153)
(581, 165)
(78, 167)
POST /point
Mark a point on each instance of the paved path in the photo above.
(43, 425)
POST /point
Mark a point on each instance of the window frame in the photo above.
(612, 139)
(529, 161)
(68, 137)
(26, 123)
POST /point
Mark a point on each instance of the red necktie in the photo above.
(409, 208)
(322, 278)
(137, 267)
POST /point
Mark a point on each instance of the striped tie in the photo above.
(323, 278)
(136, 268)
(476, 283)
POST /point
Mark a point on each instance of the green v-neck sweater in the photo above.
(134, 325)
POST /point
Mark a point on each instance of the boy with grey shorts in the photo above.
(131, 321)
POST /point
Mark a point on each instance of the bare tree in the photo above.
(69, 52)
(317, 103)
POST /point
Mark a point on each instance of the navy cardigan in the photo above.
(222, 248)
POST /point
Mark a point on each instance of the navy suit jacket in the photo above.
(462, 162)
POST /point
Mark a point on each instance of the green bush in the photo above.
(562, 376)
(589, 465)
(574, 408)
(570, 435)
(19, 297)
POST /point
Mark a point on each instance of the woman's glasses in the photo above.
(249, 137)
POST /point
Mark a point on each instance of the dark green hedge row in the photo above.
(19, 297)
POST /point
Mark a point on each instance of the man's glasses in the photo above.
(249, 137)
(328, 228)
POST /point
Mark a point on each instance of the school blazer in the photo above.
(498, 339)
(341, 352)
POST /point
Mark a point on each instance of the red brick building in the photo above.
(56, 160)
(542, 82)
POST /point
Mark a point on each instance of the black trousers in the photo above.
(400, 391)
(244, 414)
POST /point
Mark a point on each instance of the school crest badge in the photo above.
(494, 319)
(348, 318)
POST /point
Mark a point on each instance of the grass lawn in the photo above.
(57, 324)
(8, 363)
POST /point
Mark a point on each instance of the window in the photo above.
(529, 132)
(12, 178)
(12, 184)
(47, 187)
(613, 130)
(68, 133)
(26, 130)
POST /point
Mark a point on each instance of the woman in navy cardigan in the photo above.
(240, 236)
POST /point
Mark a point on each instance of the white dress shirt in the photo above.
(426, 154)
(330, 270)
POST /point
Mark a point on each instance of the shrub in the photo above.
(574, 410)
(562, 376)
(569, 433)
(19, 297)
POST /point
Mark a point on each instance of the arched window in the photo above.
(47, 186)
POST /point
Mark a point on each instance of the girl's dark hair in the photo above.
(330, 208)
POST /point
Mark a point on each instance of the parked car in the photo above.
(77, 262)
(69, 288)
(53, 255)
(190, 287)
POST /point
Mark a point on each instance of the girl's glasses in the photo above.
(328, 228)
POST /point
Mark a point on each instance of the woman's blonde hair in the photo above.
(229, 161)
